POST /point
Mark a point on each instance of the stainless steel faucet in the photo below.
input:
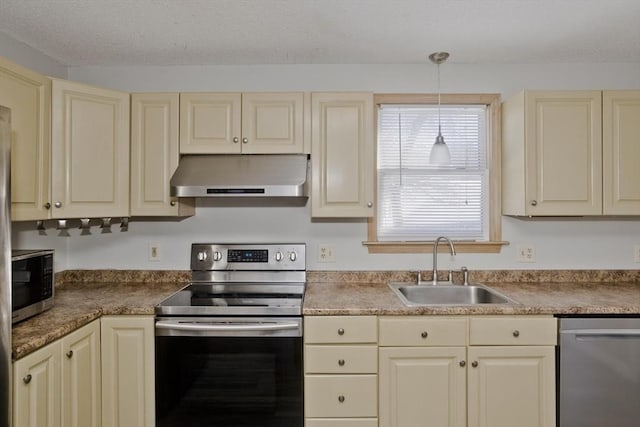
(452, 250)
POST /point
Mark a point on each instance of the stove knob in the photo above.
(202, 256)
(217, 256)
(293, 256)
(278, 256)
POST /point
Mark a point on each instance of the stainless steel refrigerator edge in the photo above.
(5, 266)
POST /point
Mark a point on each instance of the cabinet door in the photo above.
(90, 151)
(81, 386)
(563, 153)
(36, 388)
(272, 123)
(621, 152)
(128, 395)
(28, 95)
(511, 386)
(154, 155)
(210, 123)
(342, 154)
(422, 387)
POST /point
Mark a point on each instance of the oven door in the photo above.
(229, 372)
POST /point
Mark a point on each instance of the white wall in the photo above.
(26, 56)
(559, 244)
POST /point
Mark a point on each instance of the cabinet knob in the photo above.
(27, 379)
(463, 363)
(58, 204)
(424, 334)
(534, 203)
(340, 331)
(245, 140)
(516, 333)
(47, 205)
(69, 354)
(341, 398)
(341, 362)
(235, 140)
(172, 203)
(474, 364)
(370, 204)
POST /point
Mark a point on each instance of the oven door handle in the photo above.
(185, 328)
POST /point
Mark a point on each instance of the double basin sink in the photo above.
(447, 294)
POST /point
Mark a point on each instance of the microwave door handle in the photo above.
(212, 327)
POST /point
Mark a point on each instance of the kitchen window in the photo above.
(417, 202)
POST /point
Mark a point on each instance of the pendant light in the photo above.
(439, 152)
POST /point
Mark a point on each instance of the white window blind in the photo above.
(417, 201)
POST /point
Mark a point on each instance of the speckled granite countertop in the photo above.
(83, 296)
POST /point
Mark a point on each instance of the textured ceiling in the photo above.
(190, 32)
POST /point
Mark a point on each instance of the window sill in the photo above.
(427, 247)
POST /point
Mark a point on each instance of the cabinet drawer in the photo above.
(341, 422)
(423, 331)
(513, 331)
(341, 396)
(341, 359)
(340, 329)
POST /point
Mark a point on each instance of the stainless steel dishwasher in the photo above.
(599, 372)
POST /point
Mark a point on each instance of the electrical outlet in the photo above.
(525, 253)
(326, 253)
(154, 251)
(636, 253)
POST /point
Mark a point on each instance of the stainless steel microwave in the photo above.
(31, 283)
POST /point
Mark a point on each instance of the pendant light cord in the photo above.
(439, 130)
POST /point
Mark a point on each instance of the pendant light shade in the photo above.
(439, 152)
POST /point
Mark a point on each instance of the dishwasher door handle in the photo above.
(182, 326)
(602, 333)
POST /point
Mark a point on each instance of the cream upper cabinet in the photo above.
(621, 152)
(250, 123)
(552, 153)
(128, 393)
(90, 151)
(81, 382)
(154, 155)
(28, 95)
(37, 388)
(342, 155)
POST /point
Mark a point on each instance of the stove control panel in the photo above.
(255, 257)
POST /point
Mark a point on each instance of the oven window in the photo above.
(230, 382)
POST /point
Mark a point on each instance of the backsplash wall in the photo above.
(559, 244)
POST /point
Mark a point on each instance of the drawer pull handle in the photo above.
(27, 379)
(69, 354)
(463, 363)
(424, 334)
(516, 333)
(341, 399)
(340, 331)
(474, 364)
(341, 362)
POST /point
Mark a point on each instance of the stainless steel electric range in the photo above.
(229, 344)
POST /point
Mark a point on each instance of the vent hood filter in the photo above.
(237, 175)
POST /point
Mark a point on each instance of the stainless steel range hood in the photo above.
(237, 175)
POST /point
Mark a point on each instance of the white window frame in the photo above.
(494, 243)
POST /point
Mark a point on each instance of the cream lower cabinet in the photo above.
(497, 372)
(155, 155)
(341, 363)
(128, 386)
(90, 151)
(28, 95)
(342, 155)
(59, 385)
